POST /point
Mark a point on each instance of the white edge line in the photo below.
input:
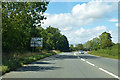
(82, 59)
(102, 69)
(0, 78)
(109, 73)
(90, 63)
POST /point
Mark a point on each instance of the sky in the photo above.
(83, 21)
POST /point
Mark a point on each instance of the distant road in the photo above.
(68, 65)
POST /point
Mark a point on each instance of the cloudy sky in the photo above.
(82, 21)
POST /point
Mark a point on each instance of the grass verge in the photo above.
(20, 60)
(108, 52)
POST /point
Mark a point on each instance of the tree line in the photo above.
(101, 42)
(19, 20)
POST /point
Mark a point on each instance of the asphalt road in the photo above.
(68, 65)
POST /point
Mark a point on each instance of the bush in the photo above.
(4, 69)
(111, 52)
(13, 63)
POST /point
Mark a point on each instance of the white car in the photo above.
(81, 52)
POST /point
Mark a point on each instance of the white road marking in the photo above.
(75, 54)
(24, 65)
(102, 69)
(0, 78)
(90, 63)
(109, 73)
(82, 59)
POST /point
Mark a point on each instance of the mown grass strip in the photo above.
(106, 53)
(12, 64)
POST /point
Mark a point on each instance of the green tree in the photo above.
(71, 47)
(18, 24)
(95, 43)
(63, 43)
(105, 40)
(79, 47)
(88, 45)
(53, 39)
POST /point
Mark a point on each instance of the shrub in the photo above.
(13, 63)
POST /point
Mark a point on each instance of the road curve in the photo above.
(68, 65)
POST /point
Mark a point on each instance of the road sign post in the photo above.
(36, 42)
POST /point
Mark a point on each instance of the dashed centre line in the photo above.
(101, 69)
